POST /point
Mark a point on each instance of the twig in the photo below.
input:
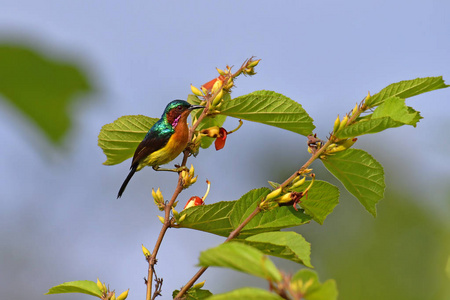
(257, 210)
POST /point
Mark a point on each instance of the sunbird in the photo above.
(166, 139)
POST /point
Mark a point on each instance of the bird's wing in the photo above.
(152, 142)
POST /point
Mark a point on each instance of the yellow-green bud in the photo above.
(253, 63)
(343, 123)
(113, 297)
(204, 90)
(273, 194)
(337, 122)
(161, 219)
(299, 183)
(229, 84)
(181, 219)
(199, 285)
(217, 99)
(147, 253)
(217, 85)
(123, 296)
(196, 91)
(191, 171)
(175, 213)
(221, 72)
(355, 109)
(100, 285)
(342, 145)
(285, 198)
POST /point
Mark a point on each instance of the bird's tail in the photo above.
(124, 184)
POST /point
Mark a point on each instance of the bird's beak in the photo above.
(196, 107)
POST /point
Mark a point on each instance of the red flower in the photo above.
(209, 85)
(221, 138)
(194, 201)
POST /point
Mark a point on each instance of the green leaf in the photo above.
(223, 217)
(406, 89)
(194, 294)
(240, 257)
(391, 113)
(270, 108)
(81, 286)
(120, 139)
(41, 88)
(212, 218)
(361, 175)
(285, 244)
(320, 201)
(247, 293)
(306, 282)
(367, 127)
(396, 109)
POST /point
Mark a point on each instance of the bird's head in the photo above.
(178, 109)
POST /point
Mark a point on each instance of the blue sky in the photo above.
(59, 219)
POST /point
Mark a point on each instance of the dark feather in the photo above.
(150, 144)
(124, 184)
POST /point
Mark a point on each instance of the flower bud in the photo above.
(204, 90)
(217, 99)
(337, 122)
(249, 71)
(161, 219)
(147, 253)
(158, 199)
(175, 213)
(221, 72)
(253, 63)
(100, 285)
(181, 219)
(123, 296)
(194, 201)
(273, 194)
(229, 84)
(196, 91)
(113, 297)
(217, 85)
(188, 177)
(285, 198)
(341, 145)
(355, 109)
(199, 285)
(299, 183)
(191, 171)
(343, 123)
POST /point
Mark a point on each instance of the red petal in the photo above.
(194, 201)
(220, 141)
(210, 83)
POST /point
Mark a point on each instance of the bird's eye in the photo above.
(179, 107)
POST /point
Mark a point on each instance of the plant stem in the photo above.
(232, 235)
(257, 210)
(167, 209)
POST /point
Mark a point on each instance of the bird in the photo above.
(165, 140)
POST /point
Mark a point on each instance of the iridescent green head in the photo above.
(176, 108)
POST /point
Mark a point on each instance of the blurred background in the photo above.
(59, 217)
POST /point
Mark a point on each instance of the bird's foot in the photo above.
(177, 170)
